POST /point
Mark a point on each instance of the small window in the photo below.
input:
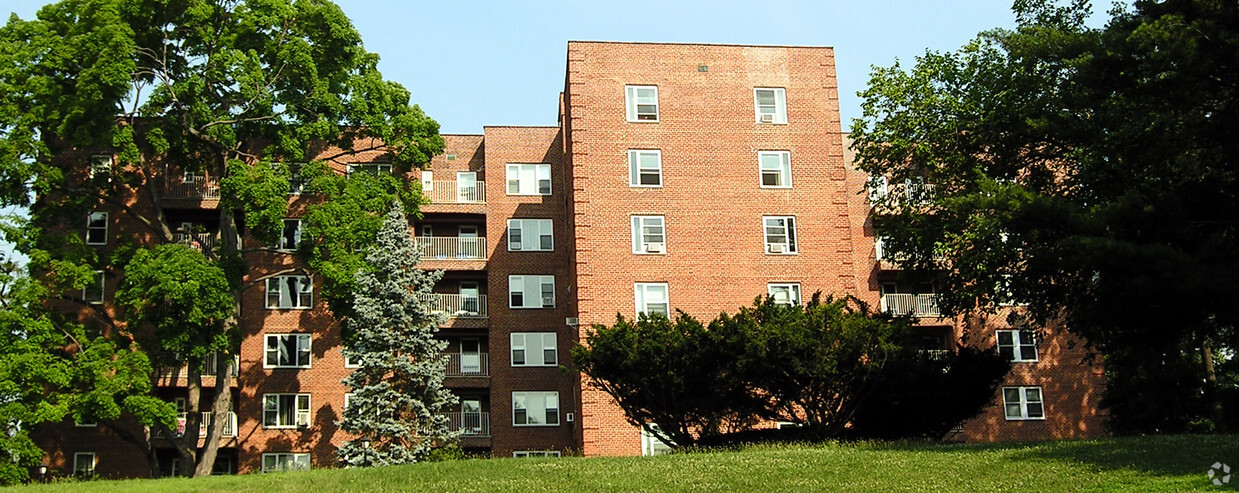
(534, 349)
(1022, 403)
(351, 361)
(535, 408)
(285, 410)
(784, 293)
(296, 184)
(287, 351)
(780, 234)
(642, 103)
(348, 398)
(527, 454)
(1017, 345)
(530, 235)
(97, 228)
(100, 165)
(776, 169)
(94, 292)
(770, 104)
(652, 298)
(84, 464)
(428, 181)
(290, 237)
(648, 234)
(531, 291)
(278, 462)
(645, 168)
(370, 168)
(529, 179)
(650, 443)
(289, 292)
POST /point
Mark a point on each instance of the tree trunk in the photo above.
(187, 445)
(1211, 391)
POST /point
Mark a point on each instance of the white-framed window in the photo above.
(290, 237)
(1022, 403)
(531, 291)
(285, 410)
(535, 408)
(94, 292)
(100, 165)
(348, 398)
(530, 235)
(534, 349)
(650, 444)
(525, 454)
(189, 177)
(776, 169)
(428, 181)
(350, 362)
(780, 234)
(295, 184)
(287, 351)
(651, 298)
(84, 464)
(645, 168)
(210, 365)
(85, 423)
(1017, 345)
(642, 103)
(529, 179)
(770, 104)
(97, 228)
(784, 293)
(649, 234)
(283, 461)
(290, 292)
(370, 168)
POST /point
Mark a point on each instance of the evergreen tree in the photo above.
(398, 389)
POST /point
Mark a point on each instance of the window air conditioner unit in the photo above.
(303, 420)
(653, 248)
(777, 248)
(767, 118)
(548, 301)
(572, 321)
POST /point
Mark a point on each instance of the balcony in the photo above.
(205, 242)
(467, 365)
(450, 192)
(191, 187)
(230, 428)
(470, 424)
(452, 247)
(459, 306)
(917, 305)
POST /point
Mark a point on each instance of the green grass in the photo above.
(1163, 463)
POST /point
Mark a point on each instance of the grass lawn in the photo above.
(1164, 463)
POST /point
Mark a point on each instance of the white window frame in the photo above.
(348, 397)
(525, 345)
(528, 178)
(276, 286)
(97, 222)
(428, 180)
(521, 402)
(285, 461)
(640, 225)
(516, 284)
(526, 454)
(301, 359)
(100, 164)
(642, 293)
(779, 107)
(633, 102)
(636, 171)
(295, 184)
(348, 362)
(95, 292)
(372, 168)
(783, 171)
(519, 239)
(79, 458)
(788, 234)
(273, 407)
(1025, 408)
(1017, 345)
(282, 242)
(650, 444)
(792, 289)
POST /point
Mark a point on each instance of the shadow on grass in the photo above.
(1173, 455)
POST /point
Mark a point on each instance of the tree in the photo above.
(397, 390)
(1088, 173)
(230, 90)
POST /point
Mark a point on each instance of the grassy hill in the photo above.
(1164, 463)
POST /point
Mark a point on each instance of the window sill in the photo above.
(535, 425)
(288, 308)
(265, 367)
(1025, 419)
(780, 187)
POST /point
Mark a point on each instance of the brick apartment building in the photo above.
(680, 176)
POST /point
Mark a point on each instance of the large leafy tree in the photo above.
(229, 89)
(1089, 173)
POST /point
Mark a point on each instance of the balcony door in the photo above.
(469, 247)
(470, 356)
(469, 298)
(466, 186)
(471, 417)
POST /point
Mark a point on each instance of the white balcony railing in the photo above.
(458, 305)
(451, 192)
(199, 241)
(467, 365)
(917, 305)
(470, 424)
(451, 247)
(198, 187)
(230, 428)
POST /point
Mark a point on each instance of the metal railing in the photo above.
(467, 365)
(459, 306)
(470, 424)
(450, 192)
(452, 247)
(200, 241)
(917, 305)
(200, 187)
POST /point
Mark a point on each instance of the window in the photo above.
(295, 184)
(535, 408)
(523, 454)
(534, 349)
(648, 234)
(285, 462)
(370, 168)
(1022, 403)
(289, 292)
(1017, 345)
(290, 238)
(93, 293)
(352, 361)
(780, 234)
(776, 169)
(784, 293)
(210, 365)
(222, 466)
(650, 444)
(285, 410)
(347, 399)
(771, 105)
(100, 165)
(529, 179)
(642, 103)
(531, 291)
(97, 228)
(428, 181)
(287, 351)
(530, 235)
(84, 464)
(85, 422)
(652, 298)
(645, 168)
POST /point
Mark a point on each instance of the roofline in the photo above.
(652, 43)
(519, 126)
(461, 135)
